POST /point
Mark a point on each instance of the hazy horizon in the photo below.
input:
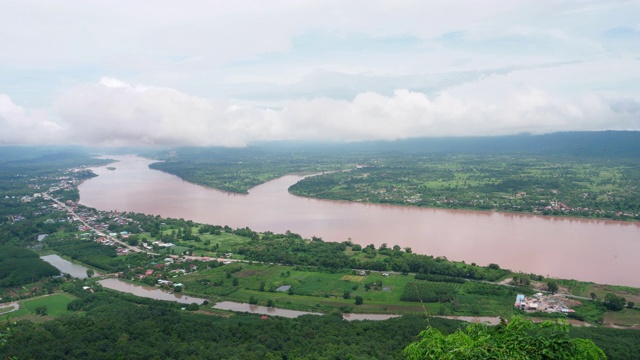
(114, 73)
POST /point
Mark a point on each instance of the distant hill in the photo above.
(579, 143)
(598, 144)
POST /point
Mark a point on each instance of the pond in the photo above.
(149, 292)
(65, 266)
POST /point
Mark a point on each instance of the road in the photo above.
(78, 218)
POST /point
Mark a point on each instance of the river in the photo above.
(583, 249)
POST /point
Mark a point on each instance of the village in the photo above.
(551, 303)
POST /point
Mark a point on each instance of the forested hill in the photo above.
(586, 174)
(580, 143)
(624, 144)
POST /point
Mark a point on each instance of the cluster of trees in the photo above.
(423, 291)
(238, 170)
(430, 291)
(89, 252)
(614, 302)
(116, 327)
(20, 266)
(291, 249)
(592, 187)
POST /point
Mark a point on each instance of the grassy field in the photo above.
(6, 310)
(626, 317)
(56, 305)
(208, 245)
(318, 291)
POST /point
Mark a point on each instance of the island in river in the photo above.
(592, 175)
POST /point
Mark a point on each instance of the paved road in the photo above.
(75, 216)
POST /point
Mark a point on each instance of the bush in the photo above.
(614, 302)
(440, 278)
(427, 292)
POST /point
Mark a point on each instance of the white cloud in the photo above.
(114, 113)
(20, 126)
(324, 69)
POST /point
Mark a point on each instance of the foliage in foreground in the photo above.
(121, 326)
(519, 339)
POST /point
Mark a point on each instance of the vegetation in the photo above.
(548, 185)
(517, 339)
(570, 174)
(20, 266)
(387, 279)
(114, 327)
(238, 170)
(614, 302)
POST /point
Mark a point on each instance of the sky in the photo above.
(229, 73)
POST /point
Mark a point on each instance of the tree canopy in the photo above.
(517, 339)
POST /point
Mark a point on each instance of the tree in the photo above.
(359, 300)
(346, 295)
(235, 281)
(517, 339)
(594, 296)
(133, 240)
(631, 304)
(552, 286)
(614, 302)
(41, 310)
(90, 272)
(521, 279)
(270, 303)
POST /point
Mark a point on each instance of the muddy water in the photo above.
(256, 309)
(271, 311)
(592, 250)
(65, 266)
(148, 291)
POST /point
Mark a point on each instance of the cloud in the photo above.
(20, 126)
(114, 113)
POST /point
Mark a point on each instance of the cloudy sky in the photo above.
(231, 72)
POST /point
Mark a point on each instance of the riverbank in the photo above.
(527, 243)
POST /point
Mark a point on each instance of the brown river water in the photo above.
(591, 250)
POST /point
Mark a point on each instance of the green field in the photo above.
(319, 291)
(626, 317)
(56, 305)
